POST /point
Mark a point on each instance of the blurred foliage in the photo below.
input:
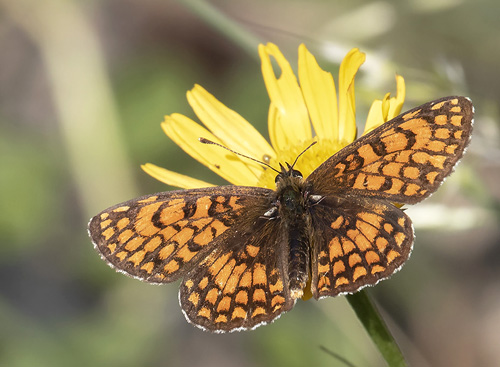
(83, 89)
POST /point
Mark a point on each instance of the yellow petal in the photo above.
(286, 96)
(277, 133)
(173, 178)
(385, 110)
(319, 93)
(374, 116)
(397, 102)
(377, 114)
(185, 133)
(347, 106)
(233, 130)
(386, 104)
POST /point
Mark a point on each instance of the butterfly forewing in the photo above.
(160, 237)
(355, 243)
(403, 160)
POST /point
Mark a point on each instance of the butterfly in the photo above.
(246, 254)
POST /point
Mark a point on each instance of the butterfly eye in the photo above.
(296, 173)
(289, 173)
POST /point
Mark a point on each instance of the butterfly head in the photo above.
(287, 172)
(289, 178)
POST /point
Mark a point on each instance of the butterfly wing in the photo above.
(358, 236)
(232, 259)
(404, 160)
(356, 242)
(242, 284)
(160, 237)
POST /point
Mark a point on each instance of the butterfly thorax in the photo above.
(292, 210)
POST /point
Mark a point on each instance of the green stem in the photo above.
(376, 328)
(219, 21)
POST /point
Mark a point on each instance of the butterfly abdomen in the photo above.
(292, 211)
(298, 264)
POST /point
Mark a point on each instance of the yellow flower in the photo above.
(297, 109)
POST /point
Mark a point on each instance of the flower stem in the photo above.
(222, 23)
(376, 328)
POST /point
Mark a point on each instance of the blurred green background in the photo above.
(84, 86)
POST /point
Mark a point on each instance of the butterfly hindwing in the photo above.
(403, 160)
(242, 283)
(356, 243)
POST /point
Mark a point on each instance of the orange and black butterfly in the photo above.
(246, 253)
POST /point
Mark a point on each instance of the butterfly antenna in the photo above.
(296, 159)
(206, 141)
